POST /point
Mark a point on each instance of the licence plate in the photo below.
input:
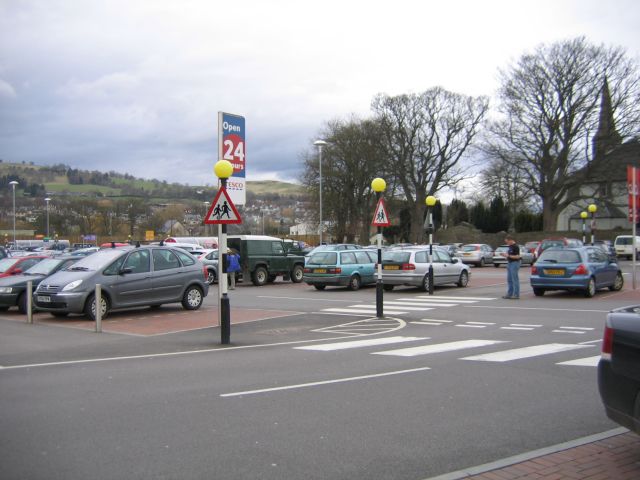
(553, 271)
(467, 254)
(391, 267)
(43, 299)
(319, 270)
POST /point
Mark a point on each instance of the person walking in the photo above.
(513, 268)
(233, 267)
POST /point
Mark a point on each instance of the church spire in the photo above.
(606, 137)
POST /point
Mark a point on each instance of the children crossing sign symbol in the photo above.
(222, 210)
(380, 218)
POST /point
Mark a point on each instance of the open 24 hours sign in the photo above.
(232, 147)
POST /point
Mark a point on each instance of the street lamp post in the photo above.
(206, 210)
(431, 202)
(13, 186)
(378, 185)
(223, 170)
(592, 210)
(583, 216)
(47, 200)
(320, 144)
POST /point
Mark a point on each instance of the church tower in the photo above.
(607, 137)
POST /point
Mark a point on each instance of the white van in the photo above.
(624, 246)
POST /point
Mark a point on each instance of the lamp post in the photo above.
(47, 200)
(583, 216)
(13, 186)
(378, 185)
(320, 144)
(431, 202)
(206, 210)
(592, 210)
(223, 170)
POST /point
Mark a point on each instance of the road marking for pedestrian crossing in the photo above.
(438, 348)
(418, 303)
(526, 352)
(524, 325)
(426, 323)
(578, 328)
(583, 362)
(516, 328)
(326, 347)
(481, 323)
(458, 299)
(371, 311)
(464, 325)
(590, 341)
(575, 332)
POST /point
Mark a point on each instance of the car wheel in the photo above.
(22, 303)
(297, 273)
(618, 283)
(481, 264)
(192, 298)
(425, 283)
(388, 288)
(260, 276)
(463, 281)
(538, 292)
(354, 283)
(591, 288)
(211, 277)
(320, 287)
(60, 314)
(497, 265)
(90, 307)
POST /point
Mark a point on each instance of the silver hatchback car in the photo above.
(411, 267)
(130, 277)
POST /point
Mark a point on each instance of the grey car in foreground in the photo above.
(130, 277)
(619, 367)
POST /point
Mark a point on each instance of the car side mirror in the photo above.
(126, 270)
(454, 260)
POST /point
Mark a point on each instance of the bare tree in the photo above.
(549, 101)
(426, 136)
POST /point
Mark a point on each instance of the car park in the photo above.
(16, 265)
(585, 269)
(623, 245)
(479, 254)
(619, 367)
(83, 252)
(411, 267)
(499, 257)
(607, 247)
(13, 289)
(130, 277)
(559, 242)
(350, 268)
(532, 247)
(209, 258)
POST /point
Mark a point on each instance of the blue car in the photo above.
(350, 268)
(584, 269)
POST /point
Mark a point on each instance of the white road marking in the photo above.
(325, 382)
(464, 325)
(370, 311)
(438, 348)
(459, 299)
(416, 304)
(403, 307)
(524, 325)
(591, 341)
(326, 347)
(583, 362)
(426, 323)
(577, 328)
(540, 309)
(575, 332)
(516, 328)
(526, 352)
(481, 323)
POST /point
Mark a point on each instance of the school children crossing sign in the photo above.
(380, 218)
(222, 210)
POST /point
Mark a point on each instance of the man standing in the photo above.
(233, 267)
(513, 268)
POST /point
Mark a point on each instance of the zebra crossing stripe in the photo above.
(526, 352)
(583, 362)
(438, 348)
(326, 347)
(369, 310)
(417, 304)
(458, 299)
(403, 307)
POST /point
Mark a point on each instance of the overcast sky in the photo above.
(135, 86)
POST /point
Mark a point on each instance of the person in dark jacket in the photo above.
(233, 267)
(513, 268)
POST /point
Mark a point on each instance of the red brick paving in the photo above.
(614, 458)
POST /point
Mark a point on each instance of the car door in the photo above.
(366, 266)
(447, 269)
(132, 285)
(168, 277)
(604, 271)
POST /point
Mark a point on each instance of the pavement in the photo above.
(613, 455)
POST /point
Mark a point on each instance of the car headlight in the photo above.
(5, 289)
(71, 286)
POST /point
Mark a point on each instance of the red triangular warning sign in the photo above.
(222, 210)
(380, 218)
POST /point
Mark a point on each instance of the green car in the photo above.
(350, 268)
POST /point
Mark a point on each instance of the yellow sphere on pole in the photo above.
(583, 215)
(430, 201)
(593, 208)
(223, 169)
(378, 185)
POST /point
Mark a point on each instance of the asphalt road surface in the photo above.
(312, 386)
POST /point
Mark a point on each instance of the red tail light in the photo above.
(307, 270)
(205, 273)
(334, 270)
(534, 270)
(607, 343)
(408, 266)
(581, 270)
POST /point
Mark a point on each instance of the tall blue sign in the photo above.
(232, 147)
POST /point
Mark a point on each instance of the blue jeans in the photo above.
(513, 282)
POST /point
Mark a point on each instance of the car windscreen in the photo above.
(323, 258)
(397, 257)
(625, 241)
(6, 264)
(552, 243)
(470, 248)
(97, 260)
(502, 249)
(560, 256)
(44, 267)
